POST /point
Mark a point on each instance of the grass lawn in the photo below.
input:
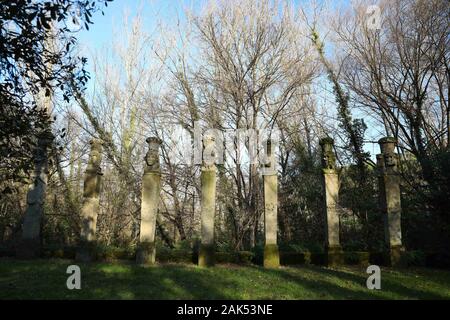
(46, 279)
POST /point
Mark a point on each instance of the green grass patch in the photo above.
(46, 279)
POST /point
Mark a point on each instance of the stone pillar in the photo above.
(91, 203)
(30, 244)
(334, 253)
(389, 196)
(270, 176)
(151, 187)
(208, 203)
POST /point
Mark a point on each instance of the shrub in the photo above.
(360, 258)
(245, 257)
(174, 255)
(378, 258)
(318, 258)
(438, 259)
(58, 251)
(186, 245)
(413, 258)
(6, 251)
(224, 257)
(295, 258)
(110, 253)
(258, 254)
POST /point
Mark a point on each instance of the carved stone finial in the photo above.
(387, 159)
(209, 152)
(95, 156)
(152, 155)
(387, 144)
(269, 153)
(269, 165)
(328, 156)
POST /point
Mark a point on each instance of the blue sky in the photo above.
(100, 34)
(101, 31)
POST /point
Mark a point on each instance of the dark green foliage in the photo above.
(7, 251)
(29, 66)
(302, 247)
(258, 254)
(113, 253)
(57, 251)
(414, 259)
(243, 257)
(319, 258)
(360, 258)
(378, 258)
(300, 198)
(361, 219)
(240, 257)
(425, 205)
(109, 253)
(295, 258)
(175, 255)
(440, 259)
(224, 257)
(19, 124)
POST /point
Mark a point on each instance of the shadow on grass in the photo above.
(168, 282)
(390, 288)
(47, 280)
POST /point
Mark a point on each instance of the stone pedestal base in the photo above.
(146, 253)
(334, 256)
(28, 249)
(206, 255)
(394, 256)
(86, 252)
(271, 256)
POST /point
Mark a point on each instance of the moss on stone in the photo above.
(394, 256)
(146, 253)
(271, 256)
(334, 256)
(86, 252)
(206, 255)
(387, 140)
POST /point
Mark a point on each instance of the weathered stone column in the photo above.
(270, 176)
(30, 244)
(91, 203)
(334, 254)
(208, 203)
(151, 187)
(389, 196)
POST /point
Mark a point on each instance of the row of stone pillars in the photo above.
(389, 201)
(151, 186)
